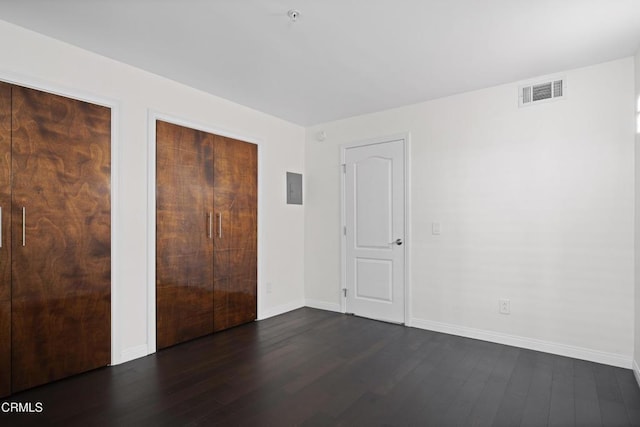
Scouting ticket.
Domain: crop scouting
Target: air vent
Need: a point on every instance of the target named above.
(541, 92)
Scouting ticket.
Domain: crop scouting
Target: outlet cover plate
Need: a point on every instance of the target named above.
(504, 305)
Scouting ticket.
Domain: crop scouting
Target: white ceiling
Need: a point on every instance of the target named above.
(342, 57)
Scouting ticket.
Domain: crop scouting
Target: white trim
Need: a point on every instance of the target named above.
(115, 185)
(343, 237)
(151, 232)
(323, 305)
(152, 116)
(636, 372)
(57, 89)
(114, 105)
(281, 309)
(406, 144)
(575, 352)
(133, 353)
(407, 230)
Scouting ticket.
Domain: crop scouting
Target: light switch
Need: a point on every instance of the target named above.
(435, 228)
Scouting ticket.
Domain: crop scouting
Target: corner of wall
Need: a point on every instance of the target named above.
(280, 309)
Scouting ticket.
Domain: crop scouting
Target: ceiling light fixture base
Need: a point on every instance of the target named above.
(293, 14)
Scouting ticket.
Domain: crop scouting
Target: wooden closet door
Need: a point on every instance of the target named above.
(61, 250)
(235, 200)
(184, 235)
(5, 239)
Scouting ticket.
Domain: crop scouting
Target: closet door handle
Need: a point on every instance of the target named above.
(24, 225)
(210, 229)
(220, 225)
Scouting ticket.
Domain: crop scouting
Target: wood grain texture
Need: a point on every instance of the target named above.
(317, 368)
(235, 199)
(61, 284)
(5, 242)
(184, 250)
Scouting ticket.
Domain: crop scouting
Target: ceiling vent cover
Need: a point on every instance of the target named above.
(541, 92)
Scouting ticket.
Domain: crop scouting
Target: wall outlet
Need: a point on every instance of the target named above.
(269, 287)
(435, 228)
(505, 306)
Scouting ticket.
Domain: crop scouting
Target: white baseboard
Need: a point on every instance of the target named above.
(323, 305)
(132, 353)
(636, 372)
(142, 350)
(597, 356)
(280, 309)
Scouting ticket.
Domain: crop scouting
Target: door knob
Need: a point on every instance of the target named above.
(397, 242)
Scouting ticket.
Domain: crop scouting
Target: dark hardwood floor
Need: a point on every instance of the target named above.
(315, 368)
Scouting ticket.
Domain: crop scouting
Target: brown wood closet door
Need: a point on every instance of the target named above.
(184, 234)
(235, 249)
(5, 239)
(61, 250)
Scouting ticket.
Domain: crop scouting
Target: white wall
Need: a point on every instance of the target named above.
(32, 59)
(536, 205)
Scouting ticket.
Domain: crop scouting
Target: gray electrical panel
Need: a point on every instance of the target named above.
(294, 188)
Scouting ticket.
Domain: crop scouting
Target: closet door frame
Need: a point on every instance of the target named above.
(114, 106)
(152, 117)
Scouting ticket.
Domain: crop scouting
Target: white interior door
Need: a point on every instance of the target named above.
(374, 215)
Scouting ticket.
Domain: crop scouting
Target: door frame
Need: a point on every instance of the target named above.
(114, 105)
(152, 117)
(405, 137)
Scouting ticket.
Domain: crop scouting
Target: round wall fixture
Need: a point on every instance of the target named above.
(293, 14)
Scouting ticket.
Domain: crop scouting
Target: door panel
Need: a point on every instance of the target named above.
(235, 193)
(242, 300)
(221, 290)
(374, 279)
(61, 284)
(185, 229)
(374, 207)
(5, 239)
